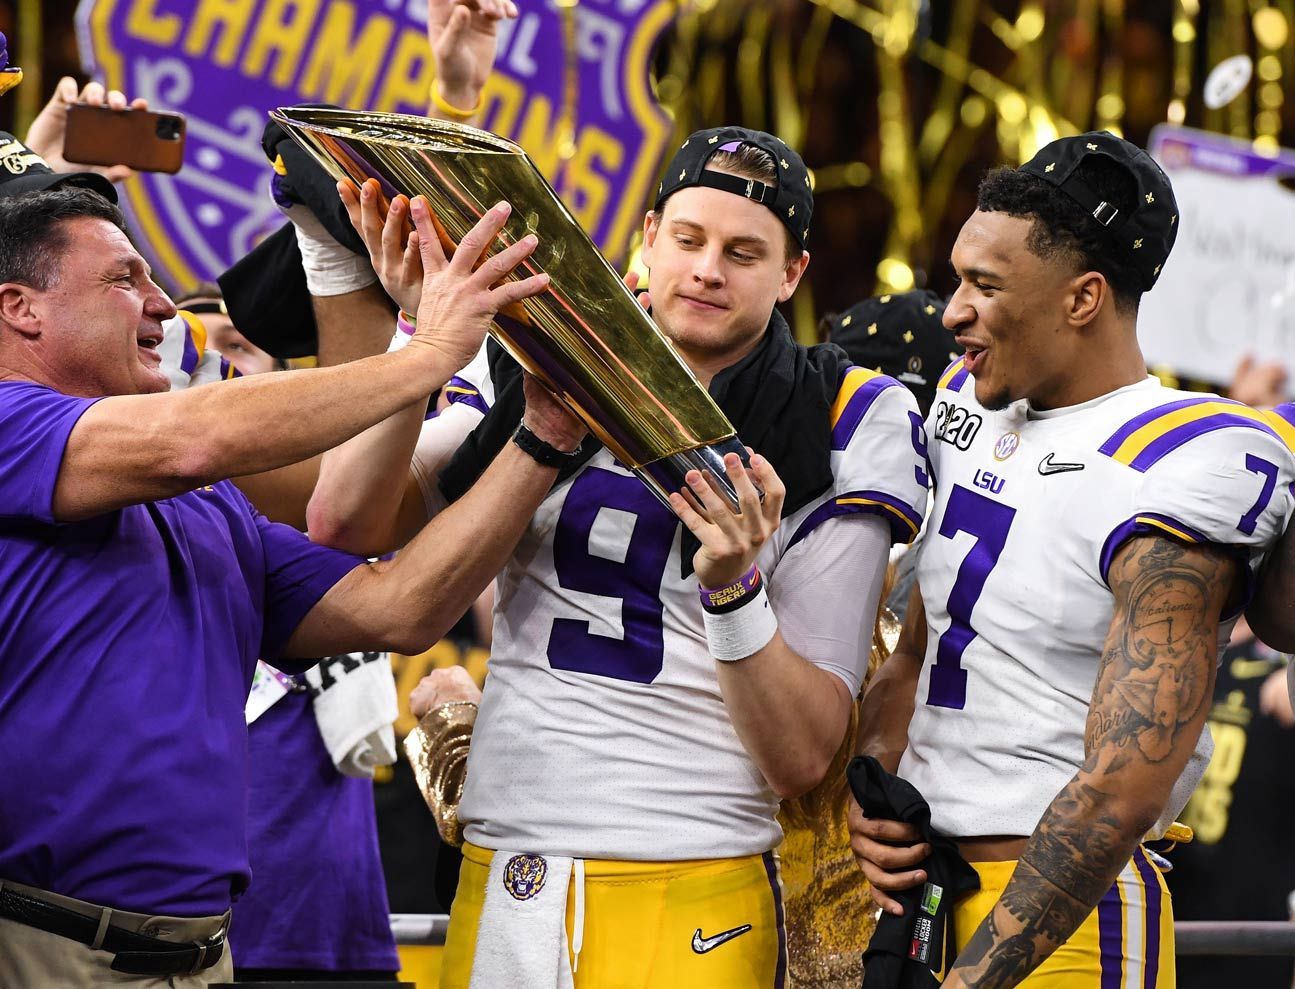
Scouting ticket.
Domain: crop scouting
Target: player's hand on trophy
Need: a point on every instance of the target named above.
(463, 37)
(548, 418)
(888, 852)
(48, 130)
(631, 281)
(450, 683)
(730, 541)
(392, 243)
(458, 303)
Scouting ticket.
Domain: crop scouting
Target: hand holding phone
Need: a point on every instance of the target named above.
(145, 140)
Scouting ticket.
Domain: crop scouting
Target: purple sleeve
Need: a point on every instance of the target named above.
(35, 423)
(297, 574)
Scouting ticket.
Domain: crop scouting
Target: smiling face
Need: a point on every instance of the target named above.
(100, 321)
(1010, 313)
(719, 265)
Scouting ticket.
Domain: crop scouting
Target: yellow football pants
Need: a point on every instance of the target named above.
(1126, 943)
(644, 923)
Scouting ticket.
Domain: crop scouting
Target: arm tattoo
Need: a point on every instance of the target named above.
(1149, 703)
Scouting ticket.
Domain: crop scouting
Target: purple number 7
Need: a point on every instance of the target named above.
(633, 581)
(988, 521)
(1258, 465)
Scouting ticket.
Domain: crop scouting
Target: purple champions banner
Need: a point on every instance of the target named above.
(225, 63)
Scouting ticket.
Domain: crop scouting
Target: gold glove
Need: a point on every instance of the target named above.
(438, 751)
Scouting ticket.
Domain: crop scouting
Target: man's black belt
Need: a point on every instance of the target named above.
(136, 954)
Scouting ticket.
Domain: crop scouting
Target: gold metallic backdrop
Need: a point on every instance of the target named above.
(900, 106)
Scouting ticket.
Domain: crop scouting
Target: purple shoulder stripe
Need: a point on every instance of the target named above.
(856, 407)
(1141, 419)
(1172, 440)
(1285, 411)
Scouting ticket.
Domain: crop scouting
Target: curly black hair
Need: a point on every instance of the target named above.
(1062, 229)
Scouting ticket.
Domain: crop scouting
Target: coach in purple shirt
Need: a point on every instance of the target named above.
(138, 586)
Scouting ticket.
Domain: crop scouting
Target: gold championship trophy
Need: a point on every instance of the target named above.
(587, 337)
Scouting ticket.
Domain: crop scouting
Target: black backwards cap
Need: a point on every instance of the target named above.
(1142, 236)
(22, 170)
(790, 198)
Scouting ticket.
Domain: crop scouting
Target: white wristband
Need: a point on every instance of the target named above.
(330, 268)
(742, 632)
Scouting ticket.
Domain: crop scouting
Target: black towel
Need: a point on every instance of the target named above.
(906, 952)
(779, 398)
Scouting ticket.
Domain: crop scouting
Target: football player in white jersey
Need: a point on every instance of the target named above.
(630, 752)
(1093, 537)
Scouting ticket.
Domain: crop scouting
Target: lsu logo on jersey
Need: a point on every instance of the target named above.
(524, 876)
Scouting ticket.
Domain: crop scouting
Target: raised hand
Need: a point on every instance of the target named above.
(49, 129)
(463, 36)
(450, 683)
(391, 242)
(458, 303)
(730, 541)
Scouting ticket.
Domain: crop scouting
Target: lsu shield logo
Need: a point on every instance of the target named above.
(225, 64)
(524, 876)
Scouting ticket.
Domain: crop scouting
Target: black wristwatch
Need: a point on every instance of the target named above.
(542, 453)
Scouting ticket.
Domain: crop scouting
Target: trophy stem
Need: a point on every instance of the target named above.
(667, 474)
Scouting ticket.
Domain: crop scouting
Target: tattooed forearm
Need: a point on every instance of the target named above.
(1148, 707)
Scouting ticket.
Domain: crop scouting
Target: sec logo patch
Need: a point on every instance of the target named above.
(1006, 445)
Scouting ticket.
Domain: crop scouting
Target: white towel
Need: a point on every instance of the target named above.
(355, 705)
(522, 935)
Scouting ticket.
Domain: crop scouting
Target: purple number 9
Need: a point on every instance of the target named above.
(988, 521)
(622, 567)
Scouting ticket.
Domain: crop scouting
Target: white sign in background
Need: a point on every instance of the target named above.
(1228, 289)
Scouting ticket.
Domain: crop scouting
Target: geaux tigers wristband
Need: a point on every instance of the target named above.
(739, 622)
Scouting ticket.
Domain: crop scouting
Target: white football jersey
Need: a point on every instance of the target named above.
(602, 732)
(186, 358)
(1030, 508)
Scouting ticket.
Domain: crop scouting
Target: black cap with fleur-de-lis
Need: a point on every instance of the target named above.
(790, 197)
(1144, 235)
(902, 335)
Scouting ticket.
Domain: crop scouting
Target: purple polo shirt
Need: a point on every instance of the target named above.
(127, 646)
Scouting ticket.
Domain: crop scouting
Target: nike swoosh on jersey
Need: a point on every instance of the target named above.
(1048, 466)
(701, 945)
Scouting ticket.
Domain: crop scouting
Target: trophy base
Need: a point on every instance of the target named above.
(667, 474)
